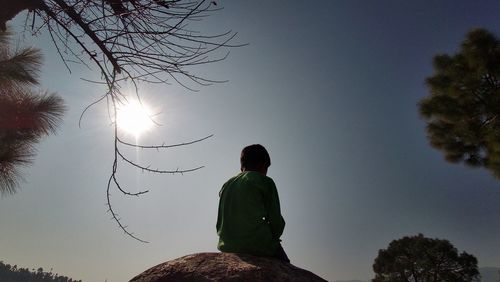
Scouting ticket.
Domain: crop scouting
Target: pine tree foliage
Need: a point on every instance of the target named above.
(464, 103)
(20, 67)
(421, 259)
(25, 115)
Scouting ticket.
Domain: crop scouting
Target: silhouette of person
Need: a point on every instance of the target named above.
(249, 218)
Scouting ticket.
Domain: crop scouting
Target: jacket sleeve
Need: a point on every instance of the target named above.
(220, 210)
(275, 219)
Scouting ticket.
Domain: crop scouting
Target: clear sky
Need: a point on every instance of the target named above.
(329, 87)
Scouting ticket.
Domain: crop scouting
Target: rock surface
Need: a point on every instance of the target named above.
(225, 267)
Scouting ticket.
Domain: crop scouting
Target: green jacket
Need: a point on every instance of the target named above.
(249, 218)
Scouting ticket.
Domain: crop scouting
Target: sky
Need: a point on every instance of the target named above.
(330, 88)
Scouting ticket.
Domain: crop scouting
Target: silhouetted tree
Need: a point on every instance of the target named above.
(9, 273)
(421, 259)
(25, 116)
(134, 40)
(462, 111)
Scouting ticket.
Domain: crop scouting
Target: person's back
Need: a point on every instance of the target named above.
(249, 218)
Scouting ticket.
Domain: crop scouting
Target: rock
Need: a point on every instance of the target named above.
(225, 267)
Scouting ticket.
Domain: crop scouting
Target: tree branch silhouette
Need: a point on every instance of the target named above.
(129, 40)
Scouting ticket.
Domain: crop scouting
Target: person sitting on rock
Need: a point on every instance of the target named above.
(249, 218)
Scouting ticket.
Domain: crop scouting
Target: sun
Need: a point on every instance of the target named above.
(134, 117)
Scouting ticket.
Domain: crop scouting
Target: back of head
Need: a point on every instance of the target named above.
(255, 157)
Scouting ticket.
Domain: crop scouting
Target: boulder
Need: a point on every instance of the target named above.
(225, 267)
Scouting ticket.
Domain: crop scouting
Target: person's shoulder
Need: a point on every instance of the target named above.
(232, 179)
(269, 181)
(259, 177)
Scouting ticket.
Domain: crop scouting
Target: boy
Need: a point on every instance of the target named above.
(249, 219)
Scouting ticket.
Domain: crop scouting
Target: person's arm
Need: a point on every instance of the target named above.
(220, 210)
(275, 219)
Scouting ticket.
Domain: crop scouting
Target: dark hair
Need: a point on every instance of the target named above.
(253, 156)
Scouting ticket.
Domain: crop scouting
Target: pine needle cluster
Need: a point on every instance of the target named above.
(26, 114)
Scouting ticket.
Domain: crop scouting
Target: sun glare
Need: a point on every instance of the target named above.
(134, 118)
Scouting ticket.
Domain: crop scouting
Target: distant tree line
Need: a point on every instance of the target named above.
(9, 273)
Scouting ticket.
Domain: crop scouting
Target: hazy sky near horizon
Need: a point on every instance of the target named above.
(329, 87)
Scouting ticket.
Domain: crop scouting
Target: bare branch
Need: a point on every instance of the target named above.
(141, 40)
(164, 146)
